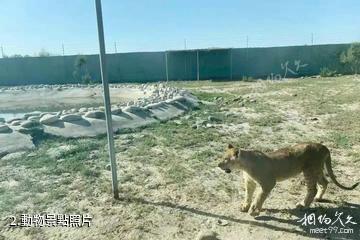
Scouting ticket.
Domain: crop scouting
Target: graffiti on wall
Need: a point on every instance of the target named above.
(287, 67)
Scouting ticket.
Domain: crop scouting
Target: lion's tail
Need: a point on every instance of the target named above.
(332, 176)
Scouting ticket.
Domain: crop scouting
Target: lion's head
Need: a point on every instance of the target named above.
(229, 160)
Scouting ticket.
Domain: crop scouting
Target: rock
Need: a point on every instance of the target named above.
(200, 122)
(222, 222)
(4, 129)
(71, 117)
(32, 114)
(16, 123)
(314, 119)
(213, 119)
(208, 125)
(49, 119)
(32, 154)
(12, 156)
(37, 130)
(207, 235)
(14, 119)
(29, 124)
(34, 118)
(83, 110)
(194, 126)
(134, 109)
(43, 114)
(187, 117)
(95, 114)
(2, 120)
(116, 111)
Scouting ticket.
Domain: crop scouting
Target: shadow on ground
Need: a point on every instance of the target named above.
(347, 209)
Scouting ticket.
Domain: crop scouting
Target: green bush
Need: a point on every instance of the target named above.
(326, 72)
(352, 57)
(81, 72)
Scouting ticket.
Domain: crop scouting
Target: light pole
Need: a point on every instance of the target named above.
(197, 65)
(166, 66)
(231, 64)
(2, 51)
(105, 83)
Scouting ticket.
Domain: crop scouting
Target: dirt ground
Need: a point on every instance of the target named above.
(55, 99)
(169, 183)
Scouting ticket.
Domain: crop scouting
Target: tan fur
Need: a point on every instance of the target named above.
(265, 169)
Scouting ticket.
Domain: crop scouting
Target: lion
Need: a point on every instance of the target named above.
(265, 169)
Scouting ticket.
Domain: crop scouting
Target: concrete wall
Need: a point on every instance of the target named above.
(182, 65)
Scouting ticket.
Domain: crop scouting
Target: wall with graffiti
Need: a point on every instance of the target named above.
(202, 64)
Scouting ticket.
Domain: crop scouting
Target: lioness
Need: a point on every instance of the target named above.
(265, 169)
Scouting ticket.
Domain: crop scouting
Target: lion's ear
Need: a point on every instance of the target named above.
(230, 146)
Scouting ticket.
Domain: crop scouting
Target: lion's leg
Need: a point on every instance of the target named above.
(311, 180)
(322, 184)
(250, 187)
(256, 206)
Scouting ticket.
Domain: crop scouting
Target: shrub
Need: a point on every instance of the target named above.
(81, 72)
(352, 57)
(326, 72)
(44, 53)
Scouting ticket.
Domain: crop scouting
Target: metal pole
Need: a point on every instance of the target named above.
(2, 51)
(63, 49)
(197, 65)
(106, 99)
(166, 66)
(312, 38)
(185, 43)
(231, 63)
(115, 47)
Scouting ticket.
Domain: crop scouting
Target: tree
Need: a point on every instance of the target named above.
(81, 71)
(44, 53)
(352, 57)
(16, 56)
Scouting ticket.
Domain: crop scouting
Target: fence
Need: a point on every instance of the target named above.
(201, 64)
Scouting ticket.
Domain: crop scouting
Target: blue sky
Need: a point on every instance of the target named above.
(27, 26)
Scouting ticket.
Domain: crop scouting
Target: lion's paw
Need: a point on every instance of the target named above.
(253, 211)
(244, 207)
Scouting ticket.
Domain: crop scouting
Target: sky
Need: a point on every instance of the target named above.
(27, 26)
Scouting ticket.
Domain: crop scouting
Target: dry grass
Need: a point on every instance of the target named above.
(169, 183)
